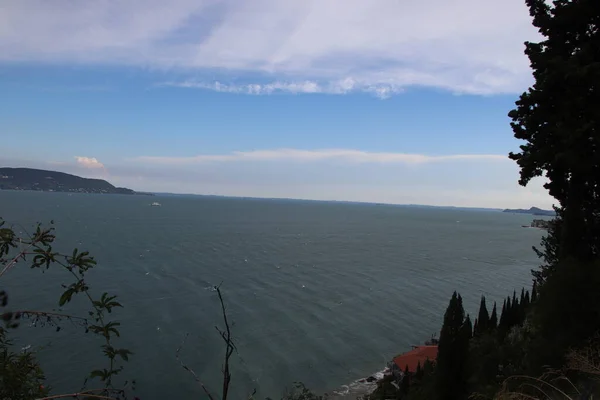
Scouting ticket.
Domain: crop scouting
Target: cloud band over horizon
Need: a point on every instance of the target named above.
(348, 155)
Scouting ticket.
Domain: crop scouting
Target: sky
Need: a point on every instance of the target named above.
(388, 101)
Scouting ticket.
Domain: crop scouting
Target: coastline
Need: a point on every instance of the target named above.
(359, 387)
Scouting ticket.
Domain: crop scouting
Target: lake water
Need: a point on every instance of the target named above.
(323, 293)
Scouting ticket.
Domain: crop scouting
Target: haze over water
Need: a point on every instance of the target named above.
(323, 293)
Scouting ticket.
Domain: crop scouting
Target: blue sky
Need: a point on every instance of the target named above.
(387, 101)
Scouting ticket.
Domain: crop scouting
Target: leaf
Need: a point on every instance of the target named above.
(66, 297)
(102, 374)
(124, 353)
(110, 327)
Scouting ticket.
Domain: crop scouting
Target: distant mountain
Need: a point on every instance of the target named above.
(533, 211)
(52, 181)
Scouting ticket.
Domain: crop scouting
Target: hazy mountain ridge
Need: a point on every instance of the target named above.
(53, 181)
(533, 211)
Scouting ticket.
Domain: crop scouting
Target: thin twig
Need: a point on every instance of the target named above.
(191, 371)
(230, 347)
(77, 395)
(15, 260)
(48, 314)
(86, 393)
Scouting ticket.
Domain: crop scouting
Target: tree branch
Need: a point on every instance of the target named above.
(191, 371)
(48, 314)
(15, 260)
(77, 395)
(230, 347)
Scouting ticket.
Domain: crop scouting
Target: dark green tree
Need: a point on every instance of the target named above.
(567, 313)
(405, 383)
(509, 313)
(558, 119)
(514, 311)
(502, 320)
(483, 319)
(428, 368)
(493, 319)
(522, 309)
(451, 373)
(505, 319)
(467, 330)
(419, 372)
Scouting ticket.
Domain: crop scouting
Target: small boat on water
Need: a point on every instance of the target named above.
(155, 204)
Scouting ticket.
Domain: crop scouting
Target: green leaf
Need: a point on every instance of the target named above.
(102, 374)
(124, 353)
(66, 297)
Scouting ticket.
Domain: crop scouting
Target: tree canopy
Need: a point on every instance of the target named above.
(559, 120)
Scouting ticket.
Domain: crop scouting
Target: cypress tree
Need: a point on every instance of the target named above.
(534, 292)
(428, 367)
(527, 300)
(467, 329)
(483, 319)
(522, 307)
(493, 319)
(420, 372)
(504, 324)
(475, 328)
(514, 311)
(502, 321)
(405, 383)
(451, 374)
(558, 120)
(508, 319)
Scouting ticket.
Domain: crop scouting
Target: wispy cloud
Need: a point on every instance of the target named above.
(296, 46)
(348, 155)
(89, 162)
(343, 86)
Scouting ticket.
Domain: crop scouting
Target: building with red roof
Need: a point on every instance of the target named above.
(417, 356)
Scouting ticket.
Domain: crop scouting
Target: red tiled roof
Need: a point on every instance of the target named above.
(416, 356)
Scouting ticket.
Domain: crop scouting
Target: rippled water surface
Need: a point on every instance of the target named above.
(323, 293)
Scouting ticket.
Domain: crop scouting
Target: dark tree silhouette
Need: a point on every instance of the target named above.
(558, 119)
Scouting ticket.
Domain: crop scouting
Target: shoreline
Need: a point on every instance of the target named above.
(359, 387)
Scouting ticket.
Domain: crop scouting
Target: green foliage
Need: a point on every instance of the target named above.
(567, 312)
(405, 383)
(419, 373)
(21, 377)
(422, 386)
(483, 363)
(387, 389)
(36, 250)
(453, 347)
(20, 374)
(493, 319)
(300, 392)
(558, 119)
(483, 318)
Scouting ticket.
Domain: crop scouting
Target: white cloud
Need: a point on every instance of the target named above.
(343, 86)
(89, 162)
(300, 46)
(348, 155)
